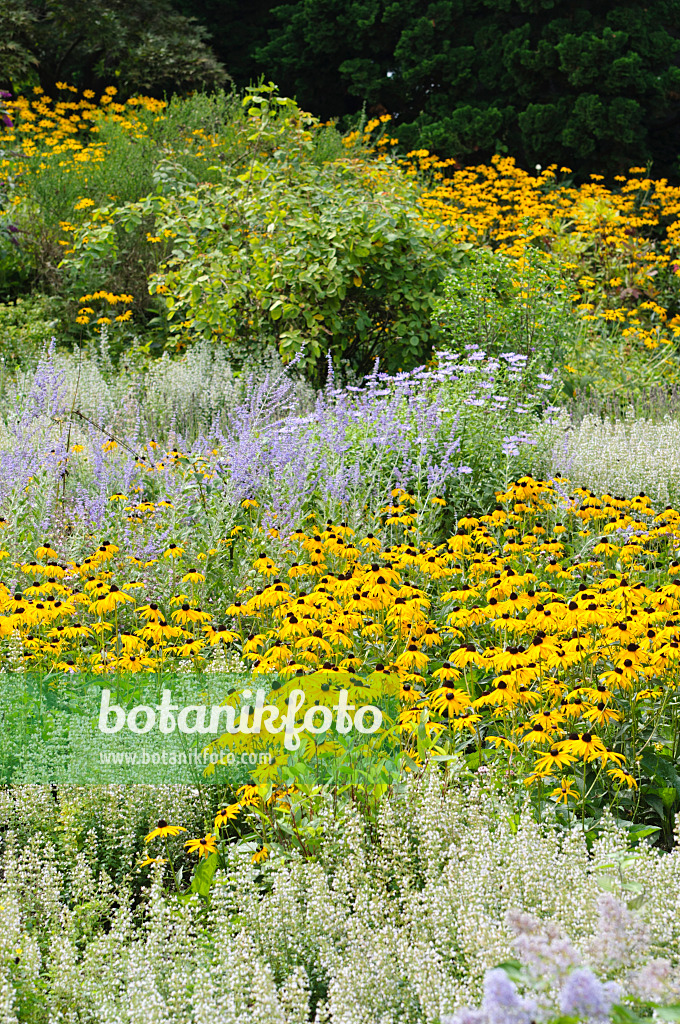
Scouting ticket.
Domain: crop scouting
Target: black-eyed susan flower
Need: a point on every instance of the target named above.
(449, 700)
(587, 745)
(265, 565)
(186, 615)
(446, 673)
(565, 792)
(203, 847)
(151, 860)
(552, 760)
(623, 777)
(602, 714)
(250, 794)
(45, 551)
(412, 658)
(227, 814)
(193, 576)
(163, 830)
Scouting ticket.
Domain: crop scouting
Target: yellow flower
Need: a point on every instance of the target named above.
(623, 777)
(251, 794)
(46, 551)
(203, 847)
(186, 614)
(446, 673)
(564, 791)
(553, 759)
(227, 814)
(163, 830)
(587, 745)
(193, 576)
(260, 855)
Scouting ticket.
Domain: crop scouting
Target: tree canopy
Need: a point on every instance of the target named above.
(595, 87)
(137, 45)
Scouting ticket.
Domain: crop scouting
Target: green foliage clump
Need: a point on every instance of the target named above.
(508, 305)
(335, 257)
(27, 327)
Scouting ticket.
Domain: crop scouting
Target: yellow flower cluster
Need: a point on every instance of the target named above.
(65, 130)
(86, 313)
(551, 625)
(589, 226)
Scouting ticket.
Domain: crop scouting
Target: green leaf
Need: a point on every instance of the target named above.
(513, 969)
(623, 1015)
(204, 874)
(668, 1012)
(643, 833)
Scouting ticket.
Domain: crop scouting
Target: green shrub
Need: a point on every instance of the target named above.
(334, 257)
(504, 305)
(26, 329)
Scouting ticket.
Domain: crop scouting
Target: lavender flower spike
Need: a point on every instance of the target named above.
(502, 1003)
(585, 997)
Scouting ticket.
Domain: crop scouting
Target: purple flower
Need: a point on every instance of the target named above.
(502, 1003)
(583, 995)
(465, 1016)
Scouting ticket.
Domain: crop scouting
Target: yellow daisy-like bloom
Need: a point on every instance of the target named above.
(157, 631)
(265, 565)
(623, 777)
(250, 794)
(371, 543)
(150, 612)
(564, 791)
(203, 847)
(45, 551)
(151, 860)
(163, 830)
(108, 601)
(448, 700)
(227, 814)
(260, 855)
(135, 663)
(173, 551)
(553, 759)
(193, 576)
(586, 745)
(446, 673)
(412, 658)
(601, 714)
(186, 614)
(537, 735)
